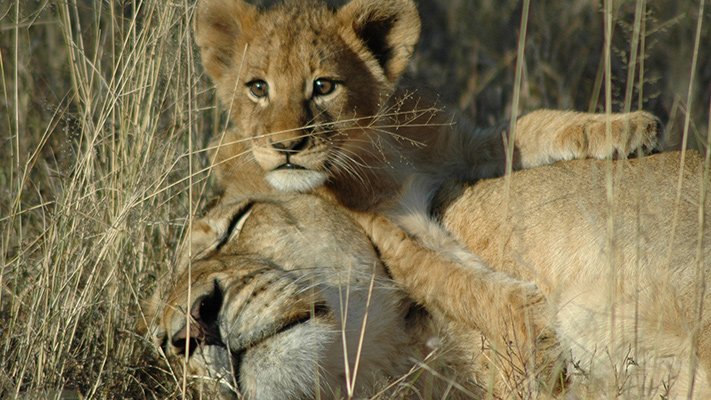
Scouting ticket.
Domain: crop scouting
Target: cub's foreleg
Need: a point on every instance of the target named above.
(546, 136)
(460, 288)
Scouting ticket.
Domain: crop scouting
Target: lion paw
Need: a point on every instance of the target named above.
(539, 329)
(632, 133)
(381, 231)
(526, 296)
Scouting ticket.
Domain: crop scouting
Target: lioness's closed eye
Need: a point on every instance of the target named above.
(314, 97)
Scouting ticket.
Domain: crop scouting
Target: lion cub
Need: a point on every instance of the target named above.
(313, 95)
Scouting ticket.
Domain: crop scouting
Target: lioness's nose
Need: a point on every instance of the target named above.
(201, 327)
(294, 145)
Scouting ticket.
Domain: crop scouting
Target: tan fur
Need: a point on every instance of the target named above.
(553, 235)
(275, 296)
(368, 137)
(656, 249)
(631, 306)
(456, 284)
(361, 142)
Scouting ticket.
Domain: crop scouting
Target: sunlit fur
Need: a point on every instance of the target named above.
(625, 274)
(370, 133)
(646, 339)
(296, 255)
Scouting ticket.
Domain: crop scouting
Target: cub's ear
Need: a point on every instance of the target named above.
(388, 29)
(218, 24)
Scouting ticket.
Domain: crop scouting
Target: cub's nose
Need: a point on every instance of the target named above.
(291, 146)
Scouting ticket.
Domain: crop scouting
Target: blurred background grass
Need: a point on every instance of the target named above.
(104, 107)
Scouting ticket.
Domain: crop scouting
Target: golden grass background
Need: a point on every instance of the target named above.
(104, 109)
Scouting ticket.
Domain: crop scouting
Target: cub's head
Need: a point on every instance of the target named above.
(282, 298)
(302, 81)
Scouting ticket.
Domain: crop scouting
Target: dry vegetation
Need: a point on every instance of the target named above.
(104, 110)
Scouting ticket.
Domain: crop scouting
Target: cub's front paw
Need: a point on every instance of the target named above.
(644, 132)
(381, 231)
(632, 133)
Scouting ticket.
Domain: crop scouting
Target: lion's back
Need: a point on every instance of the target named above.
(554, 217)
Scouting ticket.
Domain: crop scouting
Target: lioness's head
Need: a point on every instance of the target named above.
(287, 298)
(303, 81)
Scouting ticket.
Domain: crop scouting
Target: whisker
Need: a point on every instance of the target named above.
(352, 169)
(412, 114)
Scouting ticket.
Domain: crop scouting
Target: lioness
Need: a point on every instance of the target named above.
(274, 279)
(314, 97)
(289, 300)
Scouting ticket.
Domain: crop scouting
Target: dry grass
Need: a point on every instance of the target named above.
(103, 105)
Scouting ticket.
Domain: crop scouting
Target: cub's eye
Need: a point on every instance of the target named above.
(258, 88)
(323, 86)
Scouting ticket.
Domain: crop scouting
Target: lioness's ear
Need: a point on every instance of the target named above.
(389, 29)
(218, 24)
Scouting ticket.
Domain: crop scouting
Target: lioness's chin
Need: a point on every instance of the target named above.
(215, 365)
(292, 365)
(291, 180)
(295, 365)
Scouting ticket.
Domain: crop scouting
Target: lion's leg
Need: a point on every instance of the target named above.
(546, 136)
(512, 314)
